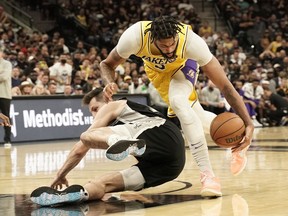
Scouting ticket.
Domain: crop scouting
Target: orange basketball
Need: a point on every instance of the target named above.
(227, 130)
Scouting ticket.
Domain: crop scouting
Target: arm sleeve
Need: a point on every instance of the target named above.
(130, 41)
(197, 49)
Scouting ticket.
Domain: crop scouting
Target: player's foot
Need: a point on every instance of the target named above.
(122, 148)
(238, 162)
(210, 185)
(47, 196)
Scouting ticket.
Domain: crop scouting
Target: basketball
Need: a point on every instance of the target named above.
(227, 130)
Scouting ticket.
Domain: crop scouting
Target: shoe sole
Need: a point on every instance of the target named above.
(56, 211)
(120, 150)
(47, 196)
(210, 193)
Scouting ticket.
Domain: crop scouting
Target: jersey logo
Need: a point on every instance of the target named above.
(191, 74)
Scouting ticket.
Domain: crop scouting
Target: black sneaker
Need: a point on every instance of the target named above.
(122, 148)
(47, 196)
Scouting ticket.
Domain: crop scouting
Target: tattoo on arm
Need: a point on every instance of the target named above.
(108, 66)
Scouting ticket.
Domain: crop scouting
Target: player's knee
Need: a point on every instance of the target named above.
(178, 103)
(183, 110)
(133, 178)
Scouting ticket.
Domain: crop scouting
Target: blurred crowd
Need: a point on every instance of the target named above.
(254, 54)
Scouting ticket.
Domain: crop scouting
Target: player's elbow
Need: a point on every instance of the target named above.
(85, 138)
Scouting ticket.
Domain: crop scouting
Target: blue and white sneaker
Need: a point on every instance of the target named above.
(59, 211)
(47, 196)
(122, 148)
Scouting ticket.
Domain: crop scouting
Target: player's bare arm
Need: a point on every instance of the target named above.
(216, 74)
(78, 151)
(107, 67)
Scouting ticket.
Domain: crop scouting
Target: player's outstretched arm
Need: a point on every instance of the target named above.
(78, 151)
(216, 74)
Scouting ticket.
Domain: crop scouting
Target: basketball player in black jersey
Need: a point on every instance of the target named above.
(155, 142)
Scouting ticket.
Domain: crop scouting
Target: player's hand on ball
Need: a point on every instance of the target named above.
(247, 139)
(109, 90)
(59, 182)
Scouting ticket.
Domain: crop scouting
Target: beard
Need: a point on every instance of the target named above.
(165, 55)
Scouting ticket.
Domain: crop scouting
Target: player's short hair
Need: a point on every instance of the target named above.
(96, 93)
(163, 27)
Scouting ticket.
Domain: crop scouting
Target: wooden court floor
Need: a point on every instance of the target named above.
(262, 189)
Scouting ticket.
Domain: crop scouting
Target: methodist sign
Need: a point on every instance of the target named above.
(53, 117)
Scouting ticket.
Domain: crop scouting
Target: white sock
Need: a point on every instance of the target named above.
(194, 134)
(198, 148)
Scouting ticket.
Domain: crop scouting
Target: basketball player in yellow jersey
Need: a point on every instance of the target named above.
(171, 52)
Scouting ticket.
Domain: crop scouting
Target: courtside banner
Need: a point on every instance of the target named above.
(53, 117)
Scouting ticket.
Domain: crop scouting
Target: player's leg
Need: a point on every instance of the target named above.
(128, 179)
(5, 109)
(179, 91)
(206, 117)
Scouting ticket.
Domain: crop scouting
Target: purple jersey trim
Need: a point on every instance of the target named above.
(190, 71)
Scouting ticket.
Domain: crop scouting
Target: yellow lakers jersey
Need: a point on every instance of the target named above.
(159, 70)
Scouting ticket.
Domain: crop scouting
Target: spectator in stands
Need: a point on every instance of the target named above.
(21, 61)
(40, 89)
(44, 79)
(61, 73)
(52, 87)
(238, 56)
(86, 69)
(253, 91)
(209, 40)
(68, 90)
(250, 104)
(61, 43)
(81, 17)
(134, 86)
(205, 29)
(80, 48)
(245, 27)
(88, 86)
(77, 80)
(275, 44)
(211, 99)
(15, 79)
(78, 90)
(25, 88)
(277, 108)
(33, 76)
(282, 88)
